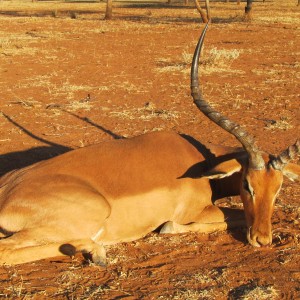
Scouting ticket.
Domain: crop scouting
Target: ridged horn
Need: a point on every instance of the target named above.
(286, 156)
(255, 158)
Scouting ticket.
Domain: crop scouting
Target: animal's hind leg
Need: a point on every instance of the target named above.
(23, 247)
(54, 223)
(91, 250)
(212, 219)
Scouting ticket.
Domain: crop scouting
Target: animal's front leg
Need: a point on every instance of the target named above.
(212, 219)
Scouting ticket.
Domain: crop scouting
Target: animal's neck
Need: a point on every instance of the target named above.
(228, 186)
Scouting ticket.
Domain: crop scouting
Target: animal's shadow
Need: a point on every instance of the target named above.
(20, 159)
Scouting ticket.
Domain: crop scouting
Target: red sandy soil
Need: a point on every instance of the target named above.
(67, 83)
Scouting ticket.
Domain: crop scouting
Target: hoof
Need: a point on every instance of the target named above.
(167, 228)
(99, 256)
(99, 261)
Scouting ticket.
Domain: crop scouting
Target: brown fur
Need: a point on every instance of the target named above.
(119, 191)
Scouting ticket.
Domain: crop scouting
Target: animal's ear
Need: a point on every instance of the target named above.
(291, 171)
(224, 169)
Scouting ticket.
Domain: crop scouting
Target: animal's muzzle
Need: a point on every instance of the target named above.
(259, 239)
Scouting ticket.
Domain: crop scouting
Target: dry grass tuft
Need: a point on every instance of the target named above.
(282, 124)
(145, 113)
(256, 292)
(213, 61)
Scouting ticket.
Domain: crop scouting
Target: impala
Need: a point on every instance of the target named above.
(121, 190)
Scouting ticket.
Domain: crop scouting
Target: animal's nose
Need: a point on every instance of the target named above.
(259, 239)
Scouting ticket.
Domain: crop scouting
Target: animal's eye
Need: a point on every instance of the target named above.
(247, 187)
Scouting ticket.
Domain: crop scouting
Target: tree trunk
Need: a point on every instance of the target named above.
(298, 2)
(207, 10)
(201, 11)
(108, 13)
(238, 2)
(248, 10)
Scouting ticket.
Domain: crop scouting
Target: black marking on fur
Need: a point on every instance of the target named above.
(67, 249)
(5, 232)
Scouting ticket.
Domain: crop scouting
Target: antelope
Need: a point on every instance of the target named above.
(121, 190)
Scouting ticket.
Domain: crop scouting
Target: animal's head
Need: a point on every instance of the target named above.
(259, 188)
(262, 175)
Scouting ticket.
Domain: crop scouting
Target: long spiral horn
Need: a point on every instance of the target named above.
(287, 155)
(255, 158)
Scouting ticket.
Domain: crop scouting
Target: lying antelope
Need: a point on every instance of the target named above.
(123, 189)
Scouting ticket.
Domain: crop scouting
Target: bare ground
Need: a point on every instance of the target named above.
(70, 79)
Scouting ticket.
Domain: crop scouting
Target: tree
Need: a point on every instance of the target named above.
(204, 16)
(207, 9)
(108, 13)
(248, 10)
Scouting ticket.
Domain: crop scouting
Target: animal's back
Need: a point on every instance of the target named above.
(114, 167)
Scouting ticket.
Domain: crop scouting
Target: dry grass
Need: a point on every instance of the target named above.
(220, 61)
(283, 124)
(11, 46)
(145, 113)
(213, 60)
(283, 12)
(66, 93)
(256, 292)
